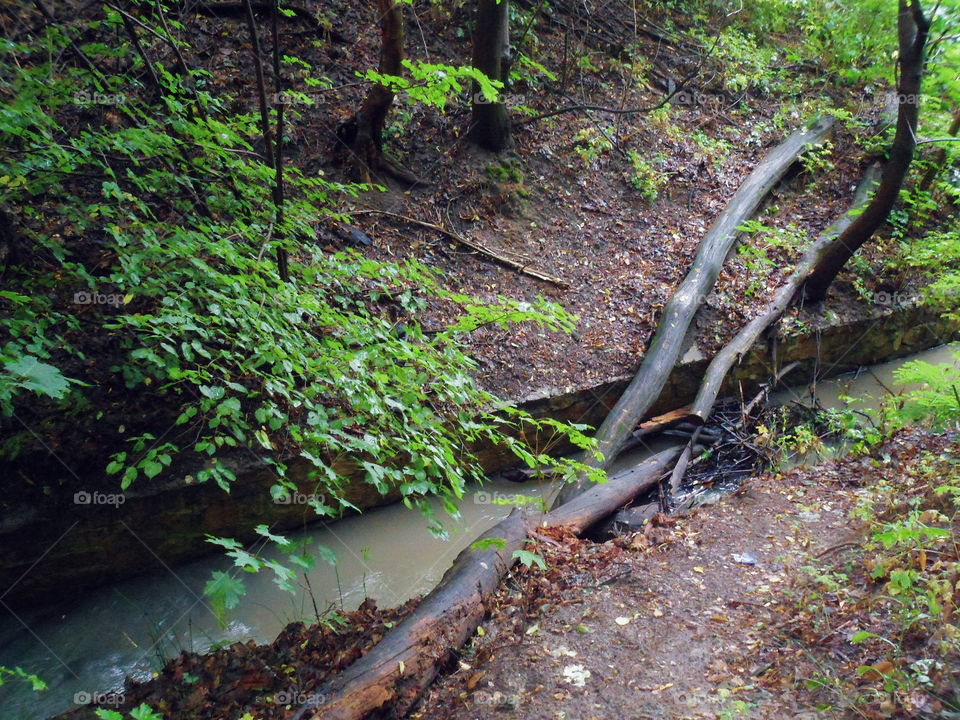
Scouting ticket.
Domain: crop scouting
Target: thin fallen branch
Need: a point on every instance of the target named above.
(521, 267)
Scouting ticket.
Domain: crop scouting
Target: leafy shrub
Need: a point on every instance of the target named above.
(333, 366)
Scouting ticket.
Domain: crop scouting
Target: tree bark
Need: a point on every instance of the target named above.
(913, 28)
(363, 133)
(390, 677)
(667, 343)
(731, 353)
(490, 122)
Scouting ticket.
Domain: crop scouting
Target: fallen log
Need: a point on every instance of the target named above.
(521, 264)
(407, 659)
(393, 674)
(734, 350)
(601, 499)
(668, 341)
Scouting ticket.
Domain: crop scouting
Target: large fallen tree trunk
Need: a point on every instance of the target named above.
(395, 671)
(667, 343)
(734, 350)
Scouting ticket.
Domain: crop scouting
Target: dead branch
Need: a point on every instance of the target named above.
(521, 267)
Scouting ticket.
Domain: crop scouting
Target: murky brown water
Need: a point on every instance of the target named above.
(89, 646)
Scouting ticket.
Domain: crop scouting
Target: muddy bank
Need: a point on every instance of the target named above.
(92, 538)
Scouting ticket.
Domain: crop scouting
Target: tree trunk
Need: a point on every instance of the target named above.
(742, 342)
(390, 677)
(363, 133)
(668, 341)
(913, 28)
(490, 123)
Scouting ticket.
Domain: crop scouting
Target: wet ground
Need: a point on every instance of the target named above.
(672, 628)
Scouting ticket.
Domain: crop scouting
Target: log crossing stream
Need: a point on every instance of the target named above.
(87, 646)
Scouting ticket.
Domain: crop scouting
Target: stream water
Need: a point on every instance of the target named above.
(88, 645)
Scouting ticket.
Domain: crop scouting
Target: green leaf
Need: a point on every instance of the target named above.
(145, 712)
(128, 477)
(224, 593)
(39, 377)
(529, 559)
(487, 543)
(265, 532)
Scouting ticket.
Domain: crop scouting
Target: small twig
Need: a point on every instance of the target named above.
(838, 546)
(938, 140)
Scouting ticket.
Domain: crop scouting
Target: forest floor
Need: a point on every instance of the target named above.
(567, 200)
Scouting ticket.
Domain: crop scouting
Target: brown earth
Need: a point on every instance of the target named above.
(672, 624)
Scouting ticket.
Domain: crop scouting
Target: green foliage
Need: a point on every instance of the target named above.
(141, 712)
(937, 396)
(529, 559)
(20, 675)
(933, 255)
(592, 143)
(646, 177)
(748, 65)
(855, 41)
(816, 161)
(488, 543)
(433, 84)
(894, 600)
(176, 199)
(757, 251)
(27, 373)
